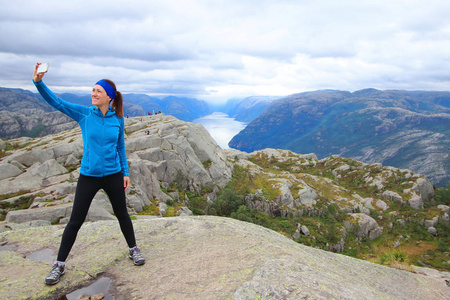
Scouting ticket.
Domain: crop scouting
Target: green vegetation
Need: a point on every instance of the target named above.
(151, 210)
(197, 204)
(35, 131)
(23, 202)
(228, 201)
(12, 195)
(443, 195)
(10, 147)
(391, 257)
(207, 163)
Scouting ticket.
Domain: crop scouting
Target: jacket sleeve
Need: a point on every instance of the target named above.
(75, 111)
(121, 149)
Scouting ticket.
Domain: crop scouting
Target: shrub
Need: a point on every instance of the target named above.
(207, 163)
(243, 213)
(197, 204)
(227, 202)
(443, 195)
(333, 234)
(152, 209)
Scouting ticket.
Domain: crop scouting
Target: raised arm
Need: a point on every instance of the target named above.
(75, 111)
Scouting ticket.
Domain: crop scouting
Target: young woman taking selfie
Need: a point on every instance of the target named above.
(103, 166)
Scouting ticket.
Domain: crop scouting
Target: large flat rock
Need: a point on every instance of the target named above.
(202, 258)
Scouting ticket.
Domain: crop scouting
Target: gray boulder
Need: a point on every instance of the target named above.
(366, 226)
(29, 158)
(416, 201)
(307, 196)
(432, 230)
(52, 214)
(8, 171)
(184, 211)
(339, 247)
(24, 182)
(47, 169)
(382, 205)
(304, 230)
(2, 145)
(432, 223)
(392, 196)
(444, 208)
(444, 218)
(424, 188)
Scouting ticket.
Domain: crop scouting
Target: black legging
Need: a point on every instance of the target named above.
(87, 187)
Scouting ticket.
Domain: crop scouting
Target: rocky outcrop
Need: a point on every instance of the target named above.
(295, 185)
(299, 191)
(202, 258)
(175, 153)
(363, 226)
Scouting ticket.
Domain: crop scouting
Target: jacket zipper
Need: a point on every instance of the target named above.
(103, 145)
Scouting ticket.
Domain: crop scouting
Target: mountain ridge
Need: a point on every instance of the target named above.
(24, 113)
(249, 108)
(362, 125)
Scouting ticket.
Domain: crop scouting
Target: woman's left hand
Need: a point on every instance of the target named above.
(126, 182)
(37, 76)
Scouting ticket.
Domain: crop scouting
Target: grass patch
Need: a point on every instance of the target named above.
(150, 210)
(12, 195)
(23, 202)
(207, 163)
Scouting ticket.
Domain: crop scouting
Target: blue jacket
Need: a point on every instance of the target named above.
(103, 136)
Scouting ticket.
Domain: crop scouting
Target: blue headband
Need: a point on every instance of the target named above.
(108, 88)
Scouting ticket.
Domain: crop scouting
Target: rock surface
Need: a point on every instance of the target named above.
(175, 152)
(203, 258)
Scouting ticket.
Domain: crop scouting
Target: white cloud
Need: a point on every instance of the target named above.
(213, 50)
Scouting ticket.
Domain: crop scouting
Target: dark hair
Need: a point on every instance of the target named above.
(117, 102)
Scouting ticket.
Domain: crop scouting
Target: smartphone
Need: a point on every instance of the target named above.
(43, 68)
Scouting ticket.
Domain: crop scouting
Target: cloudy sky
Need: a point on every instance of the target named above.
(217, 49)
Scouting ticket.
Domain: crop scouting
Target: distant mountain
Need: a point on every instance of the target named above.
(18, 100)
(248, 109)
(23, 113)
(186, 109)
(404, 129)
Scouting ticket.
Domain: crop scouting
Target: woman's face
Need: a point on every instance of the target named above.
(99, 96)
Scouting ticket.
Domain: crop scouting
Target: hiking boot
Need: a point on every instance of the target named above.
(136, 255)
(54, 275)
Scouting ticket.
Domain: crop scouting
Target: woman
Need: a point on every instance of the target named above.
(103, 166)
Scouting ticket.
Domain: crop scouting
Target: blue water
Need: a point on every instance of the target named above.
(221, 127)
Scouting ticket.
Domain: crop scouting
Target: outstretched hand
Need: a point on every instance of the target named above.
(37, 76)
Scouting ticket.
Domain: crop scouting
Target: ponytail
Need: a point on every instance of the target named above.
(117, 102)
